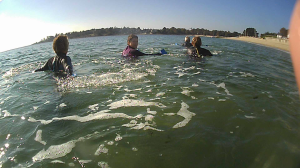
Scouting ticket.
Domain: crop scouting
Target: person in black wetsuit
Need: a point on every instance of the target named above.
(131, 49)
(187, 42)
(60, 64)
(196, 50)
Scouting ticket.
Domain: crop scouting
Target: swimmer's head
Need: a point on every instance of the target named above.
(196, 42)
(61, 44)
(133, 41)
(187, 39)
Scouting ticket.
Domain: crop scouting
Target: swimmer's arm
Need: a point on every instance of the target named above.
(69, 67)
(48, 65)
(154, 54)
(43, 68)
(138, 53)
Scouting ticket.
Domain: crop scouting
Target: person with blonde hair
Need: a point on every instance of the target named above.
(197, 51)
(131, 49)
(187, 42)
(60, 64)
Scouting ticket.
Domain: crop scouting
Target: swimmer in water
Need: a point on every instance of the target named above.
(131, 49)
(60, 64)
(187, 42)
(196, 50)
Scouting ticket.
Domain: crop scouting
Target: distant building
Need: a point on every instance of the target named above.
(279, 35)
(251, 32)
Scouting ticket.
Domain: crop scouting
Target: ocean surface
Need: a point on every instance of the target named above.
(238, 108)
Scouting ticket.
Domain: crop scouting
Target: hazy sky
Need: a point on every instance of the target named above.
(23, 22)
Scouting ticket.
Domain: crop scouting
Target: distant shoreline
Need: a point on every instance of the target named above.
(282, 44)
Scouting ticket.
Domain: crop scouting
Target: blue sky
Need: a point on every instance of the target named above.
(28, 21)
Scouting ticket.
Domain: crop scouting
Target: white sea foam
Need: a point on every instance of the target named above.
(109, 78)
(250, 117)
(94, 107)
(102, 115)
(151, 72)
(57, 151)
(186, 91)
(149, 117)
(138, 126)
(169, 114)
(7, 74)
(222, 85)
(133, 103)
(85, 161)
(57, 161)
(101, 149)
(151, 128)
(38, 137)
(118, 137)
(244, 74)
(151, 112)
(144, 126)
(103, 164)
(8, 136)
(195, 85)
(62, 105)
(6, 113)
(184, 112)
(110, 143)
(127, 90)
(160, 94)
(180, 74)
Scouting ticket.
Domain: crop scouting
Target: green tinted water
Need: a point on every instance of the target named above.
(239, 108)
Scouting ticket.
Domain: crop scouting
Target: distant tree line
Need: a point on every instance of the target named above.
(127, 30)
(171, 31)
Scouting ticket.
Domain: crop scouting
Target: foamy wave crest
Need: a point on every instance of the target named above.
(132, 102)
(15, 71)
(102, 115)
(57, 151)
(101, 80)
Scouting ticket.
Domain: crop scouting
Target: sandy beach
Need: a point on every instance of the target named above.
(282, 44)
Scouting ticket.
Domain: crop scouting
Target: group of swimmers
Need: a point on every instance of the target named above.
(61, 63)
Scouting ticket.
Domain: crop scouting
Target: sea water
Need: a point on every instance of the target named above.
(238, 108)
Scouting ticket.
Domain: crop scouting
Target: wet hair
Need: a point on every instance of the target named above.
(61, 44)
(130, 37)
(196, 42)
(187, 39)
